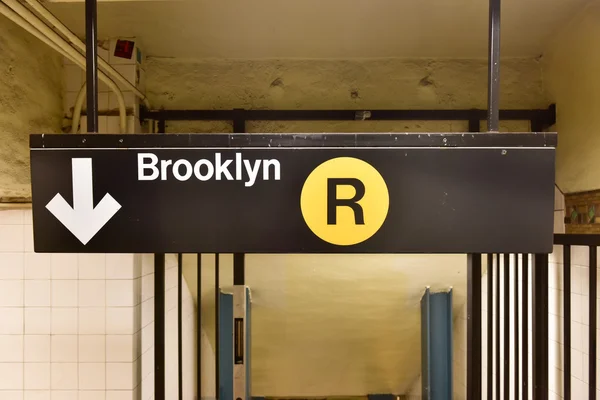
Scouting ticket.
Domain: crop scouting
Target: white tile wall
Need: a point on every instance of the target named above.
(64, 321)
(37, 348)
(64, 376)
(75, 327)
(11, 348)
(37, 321)
(12, 321)
(92, 321)
(37, 376)
(38, 266)
(64, 348)
(11, 376)
(11, 266)
(92, 348)
(37, 293)
(92, 293)
(92, 376)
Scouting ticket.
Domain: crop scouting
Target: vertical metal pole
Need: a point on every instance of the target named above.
(240, 328)
(540, 327)
(525, 325)
(506, 375)
(474, 326)
(162, 126)
(159, 326)
(199, 330)
(567, 320)
(498, 296)
(593, 323)
(239, 269)
(474, 125)
(494, 67)
(179, 326)
(239, 121)
(516, 327)
(91, 65)
(217, 315)
(490, 326)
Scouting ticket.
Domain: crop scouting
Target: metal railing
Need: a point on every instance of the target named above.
(509, 279)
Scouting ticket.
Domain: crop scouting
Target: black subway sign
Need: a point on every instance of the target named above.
(366, 193)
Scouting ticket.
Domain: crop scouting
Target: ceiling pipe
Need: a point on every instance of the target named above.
(16, 12)
(77, 109)
(62, 28)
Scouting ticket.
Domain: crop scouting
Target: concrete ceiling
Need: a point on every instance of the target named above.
(324, 28)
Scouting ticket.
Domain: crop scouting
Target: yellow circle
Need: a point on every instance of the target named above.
(344, 201)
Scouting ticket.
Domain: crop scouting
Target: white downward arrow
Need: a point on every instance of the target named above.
(83, 220)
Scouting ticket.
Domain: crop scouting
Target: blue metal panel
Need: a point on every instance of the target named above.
(436, 345)
(248, 345)
(226, 347)
(425, 345)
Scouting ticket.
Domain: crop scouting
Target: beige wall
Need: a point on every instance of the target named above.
(338, 84)
(570, 70)
(30, 102)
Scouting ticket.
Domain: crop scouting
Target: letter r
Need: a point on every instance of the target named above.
(333, 202)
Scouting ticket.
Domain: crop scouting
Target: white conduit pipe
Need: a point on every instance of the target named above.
(77, 109)
(27, 20)
(44, 12)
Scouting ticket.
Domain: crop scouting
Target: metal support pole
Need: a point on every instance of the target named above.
(239, 121)
(474, 326)
(239, 269)
(593, 292)
(180, 325)
(240, 328)
(494, 67)
(506, 298)
(159, 326)
(490, 326)
(199, 330)
(498, 370)
(525, 325)
(567, 321)
(516, 327)
(91, 65)
(217, 315)
(540, 327)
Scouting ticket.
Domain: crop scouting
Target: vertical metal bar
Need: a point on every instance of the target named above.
(239, 269)
(162, 126)
(593, 323)
(159, 326)
(506, 283)
(199, 330)
(241, 352)
(217, 315)
(179, 326)
(525, 325)
(498, 296)
(567, 321)
(540, 327)
(474, 125)
(494, 67)
(474, 326)
(516, 327)
(490, 326)
(91, 64)
(239, 121)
